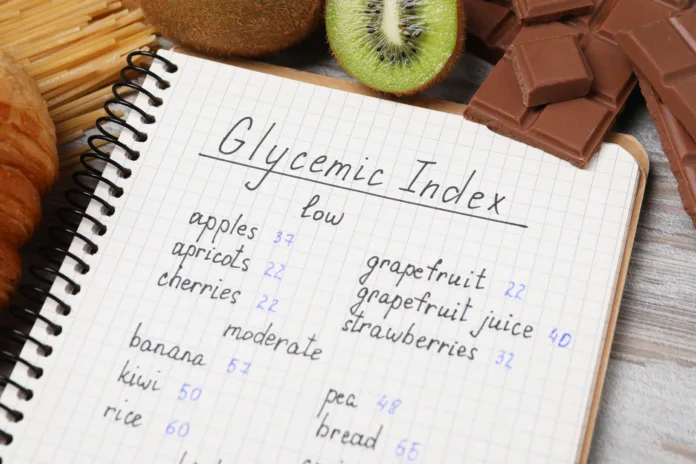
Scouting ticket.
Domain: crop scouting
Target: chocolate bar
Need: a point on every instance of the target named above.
(538, 11)
(491, 28)
(678, 145)
(664, 53)
(551, 70)
(573, 130)
(493, 25)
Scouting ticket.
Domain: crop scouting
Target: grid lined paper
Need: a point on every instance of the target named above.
(546, 256)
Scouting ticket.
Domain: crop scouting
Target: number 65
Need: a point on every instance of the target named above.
(413, 452)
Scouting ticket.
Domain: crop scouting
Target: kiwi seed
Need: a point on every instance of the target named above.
(396, 46)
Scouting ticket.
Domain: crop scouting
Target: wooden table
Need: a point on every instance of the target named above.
(648, 411)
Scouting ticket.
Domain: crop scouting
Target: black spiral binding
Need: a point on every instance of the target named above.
(54, 255)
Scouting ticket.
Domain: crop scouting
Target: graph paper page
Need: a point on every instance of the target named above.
(297, 274)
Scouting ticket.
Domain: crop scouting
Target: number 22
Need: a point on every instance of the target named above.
(511, 288)
(270, 307)
(278, 274)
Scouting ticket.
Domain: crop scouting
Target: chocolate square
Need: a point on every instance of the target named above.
(537, 11)
(627, 14)
(551, 70)
(572, 126)
(612, 72)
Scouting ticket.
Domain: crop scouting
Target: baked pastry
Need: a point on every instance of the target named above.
(28, 166)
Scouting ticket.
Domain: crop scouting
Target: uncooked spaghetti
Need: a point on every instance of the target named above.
(74, 49)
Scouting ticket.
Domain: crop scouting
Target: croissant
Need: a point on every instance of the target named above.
(28, 167)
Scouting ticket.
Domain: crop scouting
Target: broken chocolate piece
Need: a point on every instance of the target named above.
(551, 70)
(678, 145)
(491, 28)
(572, 130)
(569, 130)
(664, 53)
(539, 11)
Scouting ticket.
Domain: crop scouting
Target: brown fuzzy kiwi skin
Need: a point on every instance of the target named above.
(454, 57)
(235, 27)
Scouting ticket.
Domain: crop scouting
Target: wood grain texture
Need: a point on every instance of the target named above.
(648, 410)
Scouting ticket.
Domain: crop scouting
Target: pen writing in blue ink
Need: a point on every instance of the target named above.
(180, 429)
(515, 291)
(408, 449)
(275, 271)
(285, 237)
(189, 392)
(237, 365)
(267, 304)
(505, 359)
(390, 406)
(562, 340)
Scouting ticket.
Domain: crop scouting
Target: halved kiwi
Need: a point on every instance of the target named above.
(396, 46)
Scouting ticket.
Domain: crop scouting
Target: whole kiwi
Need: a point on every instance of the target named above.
(235, 27)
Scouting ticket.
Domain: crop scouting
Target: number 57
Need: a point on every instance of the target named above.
(235, 364)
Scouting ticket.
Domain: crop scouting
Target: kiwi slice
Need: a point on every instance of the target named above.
(396, 46)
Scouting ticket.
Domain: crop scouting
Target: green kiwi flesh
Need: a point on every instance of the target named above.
(396, 46)
(235, 27)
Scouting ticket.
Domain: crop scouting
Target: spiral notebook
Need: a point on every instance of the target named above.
(278, 271)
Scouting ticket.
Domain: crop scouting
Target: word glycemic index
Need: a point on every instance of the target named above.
(419, 184)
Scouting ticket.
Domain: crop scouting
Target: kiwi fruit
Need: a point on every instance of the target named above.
(396, 46)
(235, 27)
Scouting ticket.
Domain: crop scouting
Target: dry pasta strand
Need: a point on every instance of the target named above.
(77, 151)
(70, 136)
(75, 49)
(78, 121)
(81, 105)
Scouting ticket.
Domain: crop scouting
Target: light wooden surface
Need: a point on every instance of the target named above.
(648, 409)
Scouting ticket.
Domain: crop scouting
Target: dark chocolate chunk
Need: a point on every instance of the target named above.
(551, 70)
(539, 11)
(678, 145)
(664, 53)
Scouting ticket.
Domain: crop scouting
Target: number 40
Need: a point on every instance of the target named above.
(561, 340)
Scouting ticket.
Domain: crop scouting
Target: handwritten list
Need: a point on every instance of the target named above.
(303, 275)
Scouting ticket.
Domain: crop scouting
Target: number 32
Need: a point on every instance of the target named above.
(500, 360)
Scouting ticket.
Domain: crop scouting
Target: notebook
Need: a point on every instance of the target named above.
(296, 273)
